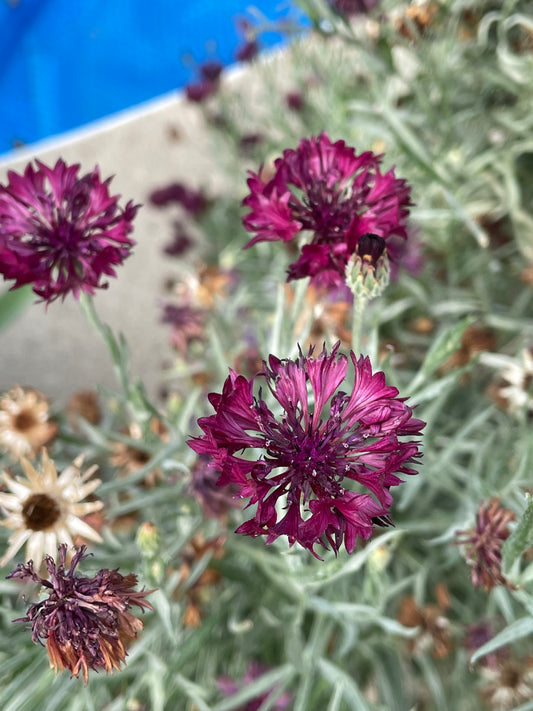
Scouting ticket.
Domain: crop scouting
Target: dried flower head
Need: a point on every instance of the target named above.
(61, 233)
(254, 671)
(129, 457)
(335, 195)
(197, 589)
(508, 684)
(331, 457)
(83, 404)
(24, 422)
(483, 544)
(431, 619)
(85, 621)
(475, 340)
(513, 389)
(44, 509)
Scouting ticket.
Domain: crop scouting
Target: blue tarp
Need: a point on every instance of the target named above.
(64, 63)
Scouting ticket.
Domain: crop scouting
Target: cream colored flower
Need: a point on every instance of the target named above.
(44, 509)
(24, 423)
(513, 390)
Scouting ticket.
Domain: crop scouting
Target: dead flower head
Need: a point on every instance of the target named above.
(24, 422)
(483, 544)
(434, 626)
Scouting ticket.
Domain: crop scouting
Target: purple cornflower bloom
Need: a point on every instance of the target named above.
(211, 70)
(247, 52)
(194, 201)
(353, 7)
(61, 233)
(215, 500)
(188, 325)
(85, 621)
(295, 100)
(199, 91)
(254, 671)
(331, 460)
(336, 195)
(181, 242)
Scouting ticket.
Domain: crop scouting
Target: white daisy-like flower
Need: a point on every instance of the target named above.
(516, 375)
(44, 509)
(24, 422)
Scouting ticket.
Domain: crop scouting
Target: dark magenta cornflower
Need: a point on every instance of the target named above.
(326, 462)
(254, 671)
(61, 233)
(85, 622)
(211, 70)
(353, 7)
(188, 325)
(215, 500)
(199, 91)
(192, 200)
(324, 188)
(181, 242)
(247, 51)
(295, 100)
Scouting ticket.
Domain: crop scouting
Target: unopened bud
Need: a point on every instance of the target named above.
(148, 539)
(368, 272)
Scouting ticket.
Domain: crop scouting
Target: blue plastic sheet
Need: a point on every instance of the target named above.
(64, 63)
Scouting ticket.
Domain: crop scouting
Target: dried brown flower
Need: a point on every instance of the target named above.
(483, 544)
(25, 426)
(434, 625)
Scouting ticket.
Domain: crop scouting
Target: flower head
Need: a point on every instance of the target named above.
(336, 195)
(61, 233)
(44, 509)
(188, 325)
(215, 500)
(328, 460)
(508, 684)
(515, 378)
(432, 623)
(85, 621)
(24, 422)
(254, 671)
(353, 7)
(483, 544)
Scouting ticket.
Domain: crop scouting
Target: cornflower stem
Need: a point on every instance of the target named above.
(116, 349)
(135, 397)
(358, 313)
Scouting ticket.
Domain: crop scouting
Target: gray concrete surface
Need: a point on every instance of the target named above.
(54, 350)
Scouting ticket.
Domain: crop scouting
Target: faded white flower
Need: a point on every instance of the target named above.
(24, 422)
(44, 509)
(514, 390)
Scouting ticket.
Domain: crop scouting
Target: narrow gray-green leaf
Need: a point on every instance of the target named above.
(519, 540)
(518, 629)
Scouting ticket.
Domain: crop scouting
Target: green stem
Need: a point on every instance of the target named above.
(116, 349)
(358, 312)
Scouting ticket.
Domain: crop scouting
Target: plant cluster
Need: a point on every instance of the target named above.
(330, 506)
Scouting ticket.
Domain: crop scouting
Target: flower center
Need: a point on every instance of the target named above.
(326, 211)
(313, 462)
(24, 421)
(40, 512)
